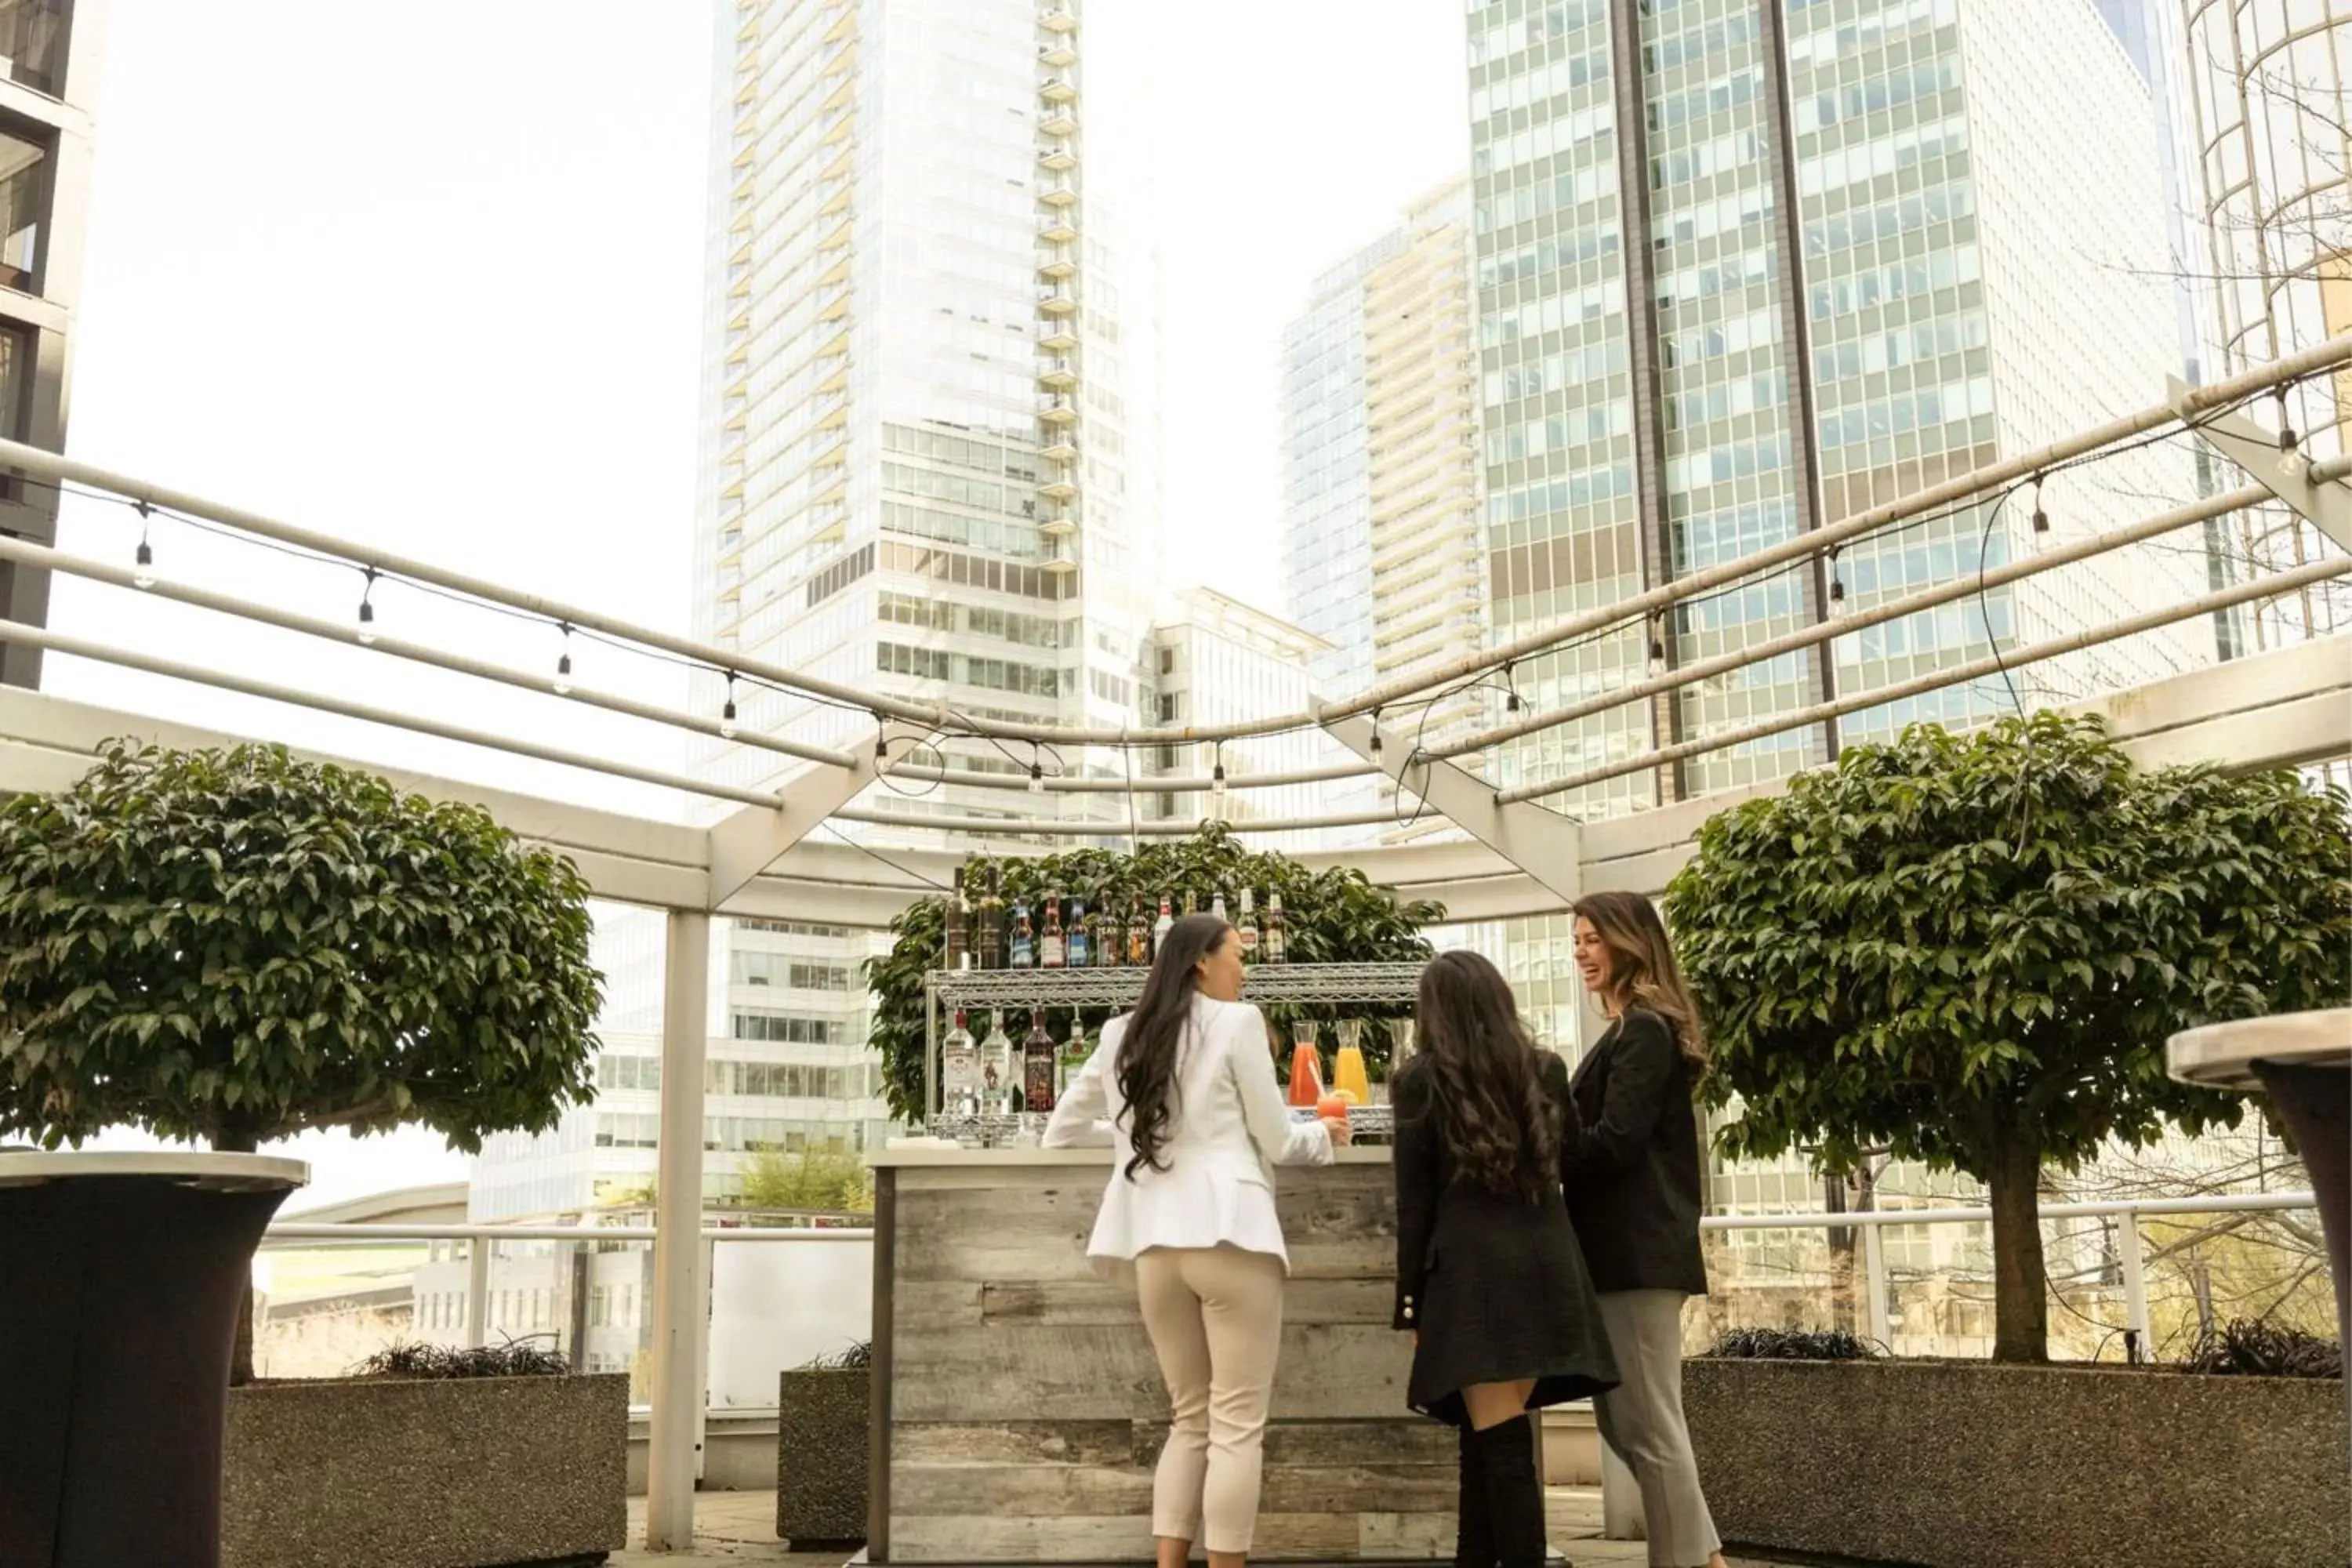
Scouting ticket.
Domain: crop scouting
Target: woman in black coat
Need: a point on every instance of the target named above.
(1632, 1183)
(1489, 1278)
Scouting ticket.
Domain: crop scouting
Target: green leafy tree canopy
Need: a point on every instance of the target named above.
(1336, 916)
(236, 946)
(821, 1181)
(1972, 949)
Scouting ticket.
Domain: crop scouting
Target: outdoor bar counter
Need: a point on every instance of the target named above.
(1018, 1410)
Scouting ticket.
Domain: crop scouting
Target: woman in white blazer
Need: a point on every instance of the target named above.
(1182, 1088)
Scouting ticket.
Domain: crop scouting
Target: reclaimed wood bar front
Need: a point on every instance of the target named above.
(1018, 1410)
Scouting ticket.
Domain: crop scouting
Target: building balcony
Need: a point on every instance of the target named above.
(1059, 51)
(1057, 302)
(1059, 120)
(1060, 373)
(1063, 489)
(1059, 524)
(1059, 193)
(1058, 229)
(1057, 155)
(1064, 560)
(1059, 336)
(1056, 408)
(1059, 19)
(1058, 89)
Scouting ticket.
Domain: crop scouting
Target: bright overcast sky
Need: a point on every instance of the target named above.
(429, 275)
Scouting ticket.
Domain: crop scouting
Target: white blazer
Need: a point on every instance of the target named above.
(1227, 1131)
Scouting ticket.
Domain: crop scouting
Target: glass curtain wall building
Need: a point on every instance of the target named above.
(1381, 474)
(1748, 268)
(2270, 186)
(49, 58)
(927, 469)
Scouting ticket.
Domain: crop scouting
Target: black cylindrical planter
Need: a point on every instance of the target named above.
(115, 1340)
(2315, 1103)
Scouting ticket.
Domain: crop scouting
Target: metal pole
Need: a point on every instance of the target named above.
(123, 658)
(478, 1291)
(1873, 1267)
(671, 1460)
(2134, 1278)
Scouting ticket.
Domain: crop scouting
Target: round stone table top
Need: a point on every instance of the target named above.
(216, 1172)
(2222, 1056)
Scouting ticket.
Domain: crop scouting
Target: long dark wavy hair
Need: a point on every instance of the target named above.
(1494, 1115)
(1155, 1035)
(1642, 968)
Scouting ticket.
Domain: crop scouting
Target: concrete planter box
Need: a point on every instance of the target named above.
(1969, 1465)
(464, 1473)
(821, 1456)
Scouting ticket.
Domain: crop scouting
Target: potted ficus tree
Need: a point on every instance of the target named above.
(231, 947)
(1970, 950)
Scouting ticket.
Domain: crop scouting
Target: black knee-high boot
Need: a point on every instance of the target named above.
(1474, 1540)
(1515, 1499)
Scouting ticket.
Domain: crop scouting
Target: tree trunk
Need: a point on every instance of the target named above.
(240, 1365)
(1842, 1300)
(2020, 1298)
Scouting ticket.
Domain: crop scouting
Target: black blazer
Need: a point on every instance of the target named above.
(1632, 1170)
(1430, 1206)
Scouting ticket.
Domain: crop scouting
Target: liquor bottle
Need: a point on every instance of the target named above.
(1276, 947)
(991, 942)
(1037, 1066)
(1192, 903)
(1139, 935)
(1021, 942)
(1074, 1051)
(959, 926)
(1082, 935)
(960, 1070)
(1052, 946)
(1159, 928)
(1217, 907)
(995, 1068)
(1248, 926)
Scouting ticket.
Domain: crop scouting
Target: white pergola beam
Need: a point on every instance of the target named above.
(2323, 502)
(753, 838)
(1538, 841)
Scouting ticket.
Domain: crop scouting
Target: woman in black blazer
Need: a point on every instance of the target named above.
(1488, 1276)
(1632, 1172)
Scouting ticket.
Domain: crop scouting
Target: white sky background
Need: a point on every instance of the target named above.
(427, 274)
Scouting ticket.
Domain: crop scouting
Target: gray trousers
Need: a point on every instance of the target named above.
(1641, 1419)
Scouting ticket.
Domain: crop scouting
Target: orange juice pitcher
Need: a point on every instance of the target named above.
(1306, 1067)
(1348, 1076)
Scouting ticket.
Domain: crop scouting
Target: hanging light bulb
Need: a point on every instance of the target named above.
(1037, 778)
(1657, 650)
(143, 575)
(367, 611)
(563, 665)
(1217, 778)
(727, 714)
(1376, 734)
(1510, 692)
(1837, 582)
(2287, 438)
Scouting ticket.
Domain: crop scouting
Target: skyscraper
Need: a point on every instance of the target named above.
(927, 450)
(1382, 552)
(1848, 289)
(1747, 268)
(48, 80)
(2271, 180)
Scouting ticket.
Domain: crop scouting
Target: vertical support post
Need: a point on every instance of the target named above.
(478, 1291)
(1874, 1265)
(679, 1284)
(2134, 1278)
(702, 1357)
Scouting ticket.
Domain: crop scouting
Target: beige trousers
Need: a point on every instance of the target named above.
(1215, 1321)
(1642, 1418)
